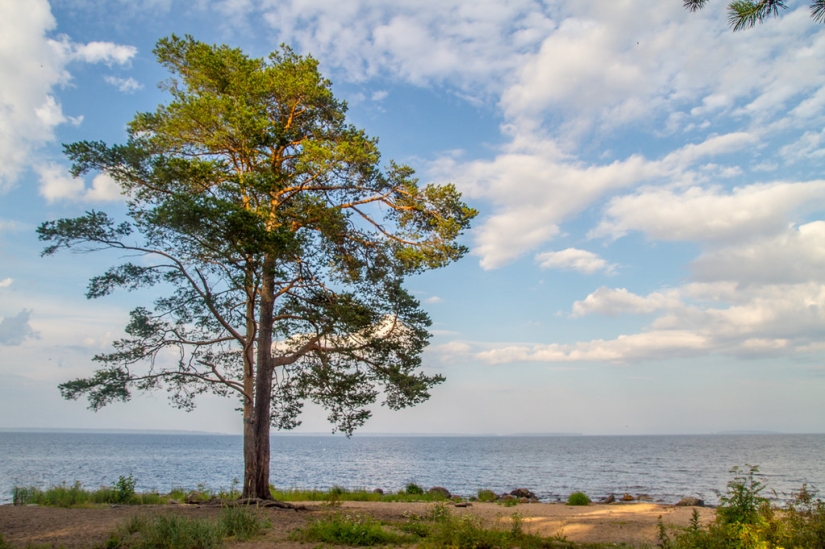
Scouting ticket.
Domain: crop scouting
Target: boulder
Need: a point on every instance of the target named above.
(441, 491)
(522, 493)
(609, 499)
(378, 491)
(628, 497)
(644, 497)
(690, 502)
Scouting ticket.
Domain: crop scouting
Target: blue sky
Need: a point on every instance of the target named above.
(649, 255)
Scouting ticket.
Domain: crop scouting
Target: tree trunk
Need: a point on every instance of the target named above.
(250, 454)
(259, 481)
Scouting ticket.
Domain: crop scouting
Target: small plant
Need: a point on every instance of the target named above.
(516, 525)
(740, 505)
(578, 498)
(334, 496)
(439, 513)
(487, 496)
(125, 489)
(413, 489)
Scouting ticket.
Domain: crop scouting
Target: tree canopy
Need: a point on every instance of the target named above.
(282, 238)
(745, 14)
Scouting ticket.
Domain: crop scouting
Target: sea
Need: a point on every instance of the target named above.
(664, 468)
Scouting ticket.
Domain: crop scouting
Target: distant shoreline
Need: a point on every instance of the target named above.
(69, 430)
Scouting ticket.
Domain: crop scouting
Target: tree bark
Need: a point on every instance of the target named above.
(250, 456)
(259, 482)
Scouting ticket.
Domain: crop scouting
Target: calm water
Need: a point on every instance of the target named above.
(665, 467)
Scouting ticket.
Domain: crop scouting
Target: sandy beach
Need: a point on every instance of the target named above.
(632, 523)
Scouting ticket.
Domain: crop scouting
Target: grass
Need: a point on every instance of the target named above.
(338, 494)
(357, 530)
(74, 495)
(180, 532)
(122, 491)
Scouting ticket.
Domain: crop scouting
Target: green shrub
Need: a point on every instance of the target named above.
(578, 498)
(124, 489)
(487, 496)
(359, 530)
(414, 489)
(741, 503)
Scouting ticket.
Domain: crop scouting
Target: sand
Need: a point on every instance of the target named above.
(630, 523)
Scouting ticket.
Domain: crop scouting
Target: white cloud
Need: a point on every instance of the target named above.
(795, 255)
(710, 214)
(126, 85)
(57, 184)
(613, 302)
(695, 320)
(14, 330)
(470, 45)
(6, 282)
(576, 260)
(534, 187)
(433, 300)
(32, 66)
(103, 52)
(380, 95)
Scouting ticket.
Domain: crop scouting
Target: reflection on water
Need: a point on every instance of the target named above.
(665, 467)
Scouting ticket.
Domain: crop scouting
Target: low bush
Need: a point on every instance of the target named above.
(578, 498)
(414, 489)
(487, 496)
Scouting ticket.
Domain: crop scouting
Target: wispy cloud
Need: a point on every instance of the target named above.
(575, 260)
(126, 85)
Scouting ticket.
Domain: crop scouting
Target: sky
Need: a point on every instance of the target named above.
(649, 254)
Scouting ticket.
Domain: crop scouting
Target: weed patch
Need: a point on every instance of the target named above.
(358, 530)
(179, 532)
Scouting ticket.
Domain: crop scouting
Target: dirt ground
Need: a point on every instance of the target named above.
(85, 528)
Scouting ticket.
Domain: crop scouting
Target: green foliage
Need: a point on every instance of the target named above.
(746, 520)
(413, 489)
(745, 14)
(358, 530)
(487, 496)
(743, 500)
(268, 218)
(578, 498)
(4, 544)
(125, 489)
